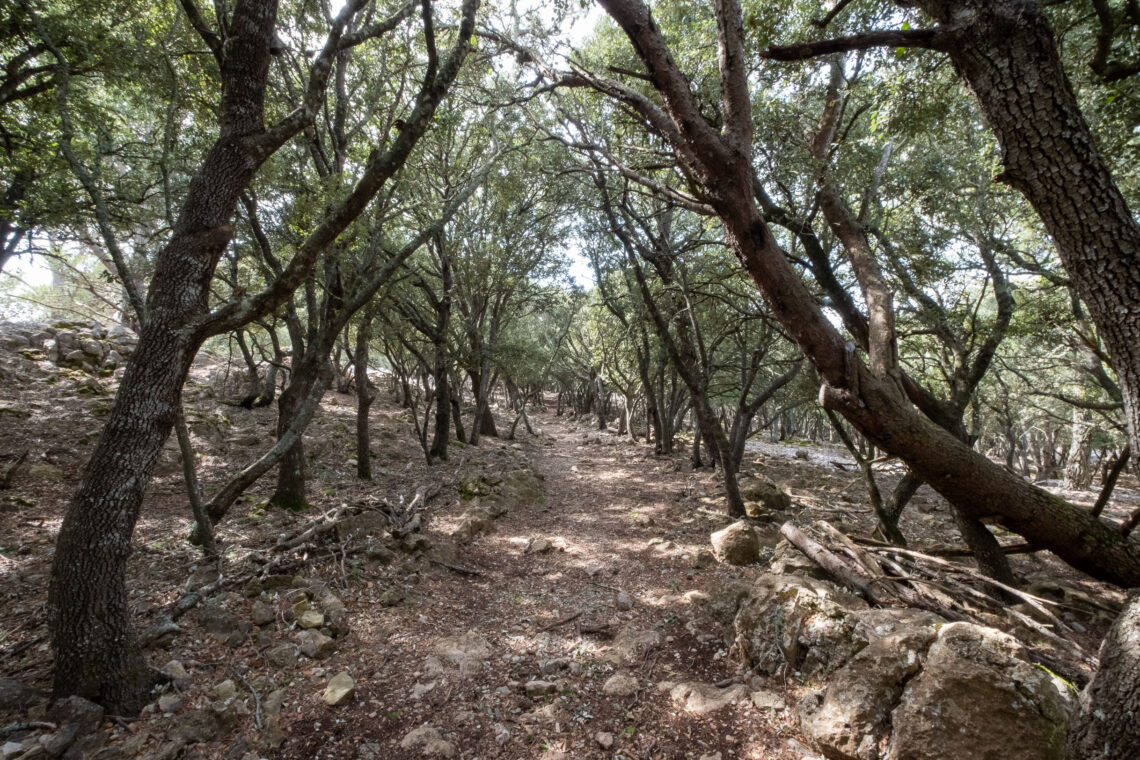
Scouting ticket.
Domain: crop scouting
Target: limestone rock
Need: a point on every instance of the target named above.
(799, 622)
(316, 645)
(701, 698)
(474, 521)
(620, 685)
(540, 688)
(853, 719)
(765, 494)
(311, 619)
(979, 697)
(227, 689)
(630, 644)
(262, 613)
(624, 601)
(767, 700)
(604, 739)
(703, 558)
(788, 560)
(429, 741)
(737, 544)
(176, 670)
(339, 690)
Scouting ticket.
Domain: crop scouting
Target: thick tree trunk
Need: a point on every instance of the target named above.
(719, 161)
(95, 652)
(1006, 53)
(1107, 725)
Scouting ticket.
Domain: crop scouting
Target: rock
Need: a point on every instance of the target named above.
(339, 690)
(979, 697)
(551, 667)
(92, 348)
(78, 721)
(392, 596)
(376, 550)
(767, 700)
(630, 644)
(703, 558)
(15, 695)
(788, 560)
(701, 698)
(800, 622)
(311, 619)
(11, 750)
(624, 601)
(225, 690)
(710, 756)
(176, 670)
(645, 521)
(316, 645)
(853, 718)
(169, 703)
(86, 715)
(620, 686)
(467, 651)
(274, 702)
(283, 655)
(536, 689)
(762, 493)
(541, 546)
(415, 543)
(420, 689)
(262, 613)
(218, 621)
(366, 524)
(474, 521)
(428, 741)
(604, 739)
(737, 544)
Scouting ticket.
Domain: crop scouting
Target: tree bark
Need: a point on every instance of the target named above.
(1106, 726)
(364, 397)
(719, 162)
(1007, 54)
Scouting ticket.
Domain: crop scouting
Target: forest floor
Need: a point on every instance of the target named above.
(502, 647)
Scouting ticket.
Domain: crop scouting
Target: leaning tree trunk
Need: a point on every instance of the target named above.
(1107, 725)
(1078, 467)
(719, 161)
(1006, 53)
(93, 643)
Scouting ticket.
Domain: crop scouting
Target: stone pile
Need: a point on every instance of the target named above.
(86, 346)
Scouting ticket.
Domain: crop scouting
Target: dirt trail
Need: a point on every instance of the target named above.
(512, 663)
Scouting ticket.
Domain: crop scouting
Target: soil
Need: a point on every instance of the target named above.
(603, 551)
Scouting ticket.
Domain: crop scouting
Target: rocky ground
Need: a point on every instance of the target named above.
(561, 600)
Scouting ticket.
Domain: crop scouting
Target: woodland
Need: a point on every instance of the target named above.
(492, 326)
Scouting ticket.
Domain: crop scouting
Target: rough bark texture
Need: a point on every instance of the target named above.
(93, 640)
(1107, 726)
(1006, 53)
(364, 398)
(719, 163)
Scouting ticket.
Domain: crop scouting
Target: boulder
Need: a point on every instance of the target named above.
(474, 521)
(797, 622)
(630, 644)
(852, 720)
(979, 697)
(737, 544)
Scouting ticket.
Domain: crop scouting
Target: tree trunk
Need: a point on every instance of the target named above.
(364, 397)
(1106, 726)
(290, 490)
(1007, 54)
(1078, 467)
(719, 161)
(95, 652)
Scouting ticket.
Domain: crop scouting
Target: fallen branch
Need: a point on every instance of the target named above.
(563, 621)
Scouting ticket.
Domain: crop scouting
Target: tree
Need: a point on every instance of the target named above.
(96, 654)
